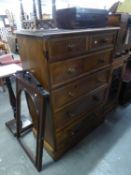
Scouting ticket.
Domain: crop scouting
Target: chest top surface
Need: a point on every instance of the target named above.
(58, 32)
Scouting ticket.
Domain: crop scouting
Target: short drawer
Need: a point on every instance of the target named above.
(76, 110)
(69, 92)
(64, 71)
(102, 40)
(79, 129)
(65, 47)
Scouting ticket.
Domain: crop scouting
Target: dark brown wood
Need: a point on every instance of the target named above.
(32, 55)
(117, 64)
(102, 41)
(27, 83)
(12, 97)
(121, 20)
(77, 73)
(67, 70)
(78, 129)
(68, 93)
(66, 47)
(80, 107)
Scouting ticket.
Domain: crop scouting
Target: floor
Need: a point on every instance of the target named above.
(106, 151)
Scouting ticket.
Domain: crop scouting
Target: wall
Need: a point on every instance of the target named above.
(12, 6)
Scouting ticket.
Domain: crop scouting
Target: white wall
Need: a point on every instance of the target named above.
(13, 5)
(86, 3)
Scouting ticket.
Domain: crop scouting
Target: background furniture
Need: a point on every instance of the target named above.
(120, 57)
(4, 20)
(36, 21)
(12, 42)
(125, 94)
(8, 67)
(4, 60)
(117, 72)
(123, 20)
(5, 72)
(3, 48)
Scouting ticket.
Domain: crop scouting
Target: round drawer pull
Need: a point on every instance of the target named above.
(71, 70)
(71, 46)
(75, 131)
(95, 42)
(70, 114)
(72, 133)
(71, 94)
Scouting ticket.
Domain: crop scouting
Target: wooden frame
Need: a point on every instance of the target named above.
(26, 82)
(38, 22)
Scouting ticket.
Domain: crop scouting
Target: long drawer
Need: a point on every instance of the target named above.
(76, 110)
(69, 92)
(66, 47)
(79, 129)
(64, 71)
(100, 40)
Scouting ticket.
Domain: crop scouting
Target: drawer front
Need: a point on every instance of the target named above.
(65, 47)
(99, 41)
(65, 71)
(75, 111)
(67, 93)
(79, 129)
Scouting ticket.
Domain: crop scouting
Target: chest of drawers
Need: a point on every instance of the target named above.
(74, 66)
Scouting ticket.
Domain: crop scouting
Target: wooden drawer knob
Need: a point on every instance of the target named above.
(72, 133)
(96, 42)
(71, 114)
(71, 94)
(76, 130)
(71, 70)
(70, 47)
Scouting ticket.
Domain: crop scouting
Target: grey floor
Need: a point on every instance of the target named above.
(106, 151)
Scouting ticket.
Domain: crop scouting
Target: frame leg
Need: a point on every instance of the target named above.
(11, 125)
(40, 99)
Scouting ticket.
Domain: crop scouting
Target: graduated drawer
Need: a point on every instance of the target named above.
(64, 71)
(75, 132)
(65, 47)
(76, 110)
(69, 92)
(102, 40)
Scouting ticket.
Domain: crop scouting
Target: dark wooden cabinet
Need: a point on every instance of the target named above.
(117, 71)
(124, 37)
(75, 67)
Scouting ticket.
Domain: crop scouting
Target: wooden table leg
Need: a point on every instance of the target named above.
(12, 123)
